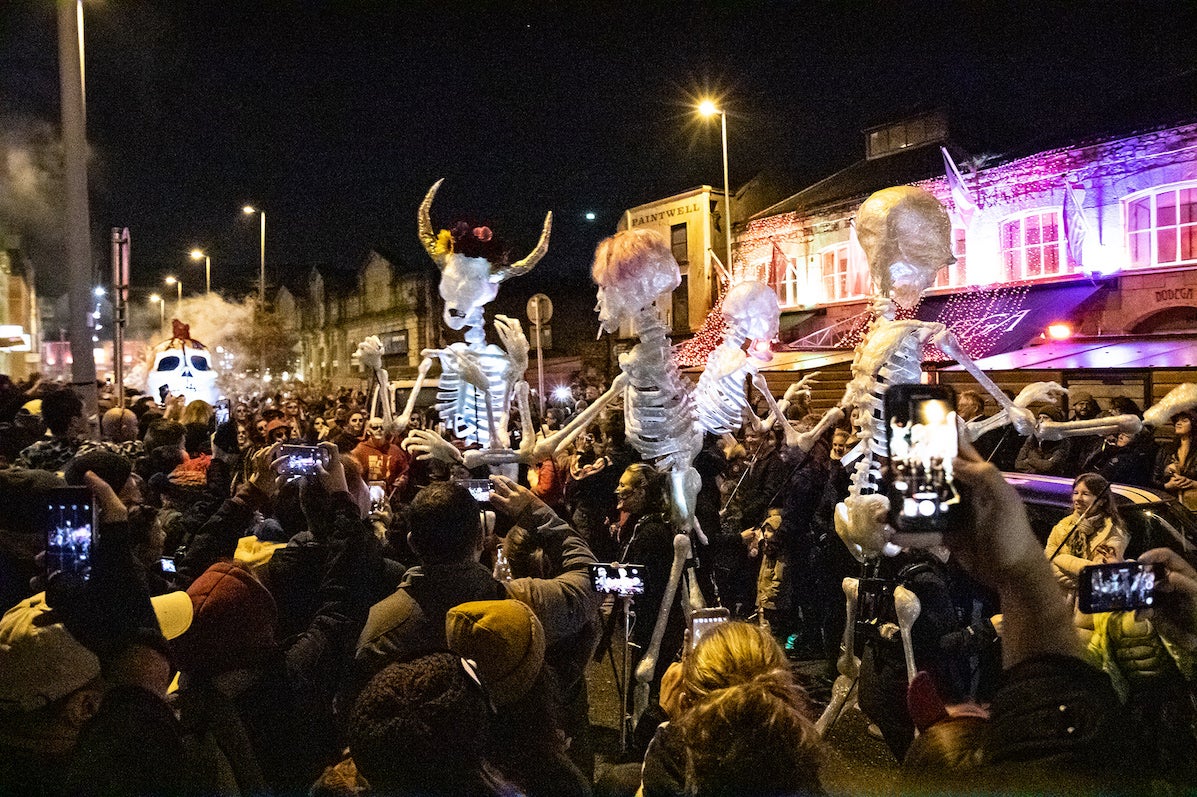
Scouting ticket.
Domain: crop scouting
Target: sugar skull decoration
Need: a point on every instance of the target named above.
(182, 366)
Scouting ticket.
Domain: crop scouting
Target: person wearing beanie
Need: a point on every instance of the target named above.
(506, 642)
(255, 703)
(421, 728)
(1045, 457)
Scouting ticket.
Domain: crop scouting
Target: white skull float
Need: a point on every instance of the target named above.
(182, 366)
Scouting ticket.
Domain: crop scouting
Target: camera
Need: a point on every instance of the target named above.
(1117, 587)
(301, 460)
(479, 488)
(921, 423)
(703, 620)
(70, 524)
(624, 580)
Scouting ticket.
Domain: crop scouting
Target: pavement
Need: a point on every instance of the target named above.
(857, 763)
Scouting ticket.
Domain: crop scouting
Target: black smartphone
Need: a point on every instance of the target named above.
(301, 460)
(921, 424)
(222, 412)
(703, 620)
(70, 525)
(1118, 587)
(619, 579)
(167, 563)
(479, 488)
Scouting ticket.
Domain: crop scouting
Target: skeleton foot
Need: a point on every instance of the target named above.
(907, 607)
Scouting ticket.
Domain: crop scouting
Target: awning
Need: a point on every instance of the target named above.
(1007, 320)
(795, 361)
(1095, 354)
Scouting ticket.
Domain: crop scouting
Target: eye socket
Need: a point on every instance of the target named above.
(168, 363)
(199, 363)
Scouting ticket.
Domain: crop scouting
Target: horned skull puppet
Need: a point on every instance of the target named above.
(478, 379)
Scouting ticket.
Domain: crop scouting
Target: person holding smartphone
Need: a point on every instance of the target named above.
(1092, 534)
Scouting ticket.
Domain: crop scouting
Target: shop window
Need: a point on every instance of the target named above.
(955, 275)
(1031, 245)
(833, 262)
(1161, 226)
(680, 244)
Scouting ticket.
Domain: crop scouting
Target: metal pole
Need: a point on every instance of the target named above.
(120, 290)
(162, 317)
(727, 225)
(262, 276)
(208, 275)
(179, 299)
(78, 214)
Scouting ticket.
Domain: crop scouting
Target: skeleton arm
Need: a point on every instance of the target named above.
(534, 451)
(403, 420)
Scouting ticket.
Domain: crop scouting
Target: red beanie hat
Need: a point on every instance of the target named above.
(234, 624)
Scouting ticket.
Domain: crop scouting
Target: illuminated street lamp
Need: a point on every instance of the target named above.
(178, 283)
(200, 254)
(708, 109)
(250, 210)
(156, 299)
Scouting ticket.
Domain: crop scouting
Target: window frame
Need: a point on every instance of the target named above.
(1152, 231)
(1024, 246)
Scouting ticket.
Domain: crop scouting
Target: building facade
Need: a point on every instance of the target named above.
(329, 315)
(18, 311)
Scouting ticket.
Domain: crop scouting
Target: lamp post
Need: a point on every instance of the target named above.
(707, 108)
(250, 210)
(178, 283)
(200, 254)
(156, 299)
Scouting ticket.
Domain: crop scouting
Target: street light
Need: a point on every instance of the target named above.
(200, 254)
(156, 299)
(250, 210)
(707, 108)
(178, 283)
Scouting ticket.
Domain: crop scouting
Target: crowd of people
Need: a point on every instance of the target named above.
(366, 626)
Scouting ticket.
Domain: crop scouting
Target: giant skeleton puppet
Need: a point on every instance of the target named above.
(478, 379)
(182, 366)
(751, 313)
(906, 236)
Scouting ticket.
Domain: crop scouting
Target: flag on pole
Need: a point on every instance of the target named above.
(1074, 225)
(778, 265)
(965, 206)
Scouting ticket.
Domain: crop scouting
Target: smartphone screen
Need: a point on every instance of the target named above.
(921, 422)
(378, 496)
(703, 620)
(617, 579)
(479, 488)
(167, 564)
(70, 531)
(1117, 587)
(300, 460)
(222, 411)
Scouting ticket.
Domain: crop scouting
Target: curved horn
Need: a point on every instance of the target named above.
(424, 224)
(524, 266)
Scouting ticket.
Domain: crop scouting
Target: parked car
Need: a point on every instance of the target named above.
(1155, 519)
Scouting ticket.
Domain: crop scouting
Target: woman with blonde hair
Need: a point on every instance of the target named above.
(739, 723)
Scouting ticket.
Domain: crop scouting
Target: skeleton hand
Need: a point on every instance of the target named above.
(369, 353)
(801, 388)
(1040, 393)
(1022, 419)
(426, 444)
(860, 523)
(515, 342)
(1180, 398)
(805, 441)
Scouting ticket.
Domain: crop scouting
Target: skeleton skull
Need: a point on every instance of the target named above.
(907, 237)
(632, 268)
(466, 287)
(182, 365)
(376, 429)
(751, 311)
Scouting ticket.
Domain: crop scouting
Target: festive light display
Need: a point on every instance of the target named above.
(693, 353)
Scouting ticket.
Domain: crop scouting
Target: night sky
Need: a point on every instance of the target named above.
(336, 117)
